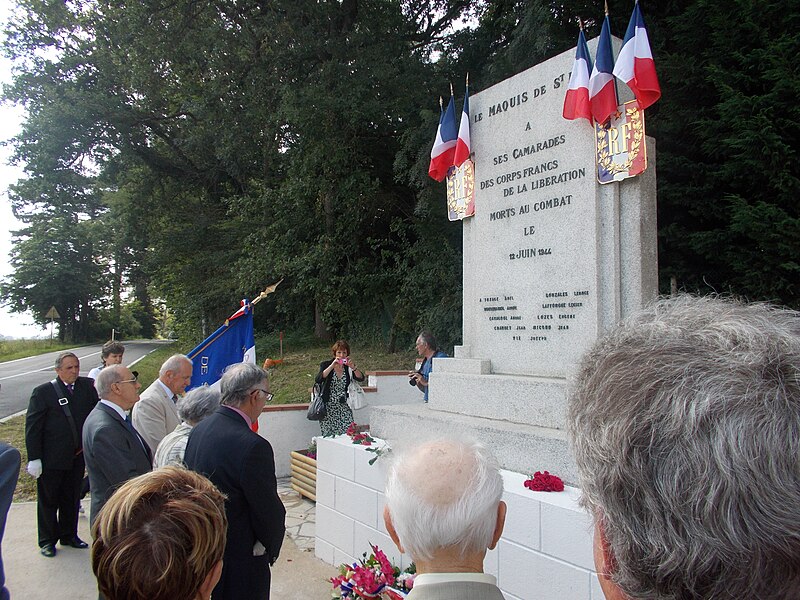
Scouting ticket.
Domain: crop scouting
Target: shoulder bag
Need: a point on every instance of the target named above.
(356, 398)
(316, 408)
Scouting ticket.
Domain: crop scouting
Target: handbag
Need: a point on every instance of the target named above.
(356, 398)
(316, 408)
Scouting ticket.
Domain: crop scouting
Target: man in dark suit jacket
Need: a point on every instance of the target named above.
(9, 473)
(53, 424)
(115, 452)
(241, 464)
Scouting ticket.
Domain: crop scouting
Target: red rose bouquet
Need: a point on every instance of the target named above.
(544, 482)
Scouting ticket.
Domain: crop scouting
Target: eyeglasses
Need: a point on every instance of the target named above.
(266, 393)
(134, 380)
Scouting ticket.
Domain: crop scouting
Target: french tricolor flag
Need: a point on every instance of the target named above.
(635, 64)
(444, 147)
(576, 104)
(463, 144)
(602, 87)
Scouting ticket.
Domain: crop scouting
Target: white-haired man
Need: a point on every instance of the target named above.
(443, 507)
(685, 422)
(156, 413)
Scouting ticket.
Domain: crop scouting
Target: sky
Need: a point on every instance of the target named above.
(11, 324)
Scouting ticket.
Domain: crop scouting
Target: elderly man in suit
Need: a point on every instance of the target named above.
(115, 452)
(685, 424)
(241, 464)
(53, 427)
(156, 413)
(443, 507)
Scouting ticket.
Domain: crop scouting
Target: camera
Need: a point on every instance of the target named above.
(343, 361)
(411, 380)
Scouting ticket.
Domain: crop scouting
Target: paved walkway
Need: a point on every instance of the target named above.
(298, 574)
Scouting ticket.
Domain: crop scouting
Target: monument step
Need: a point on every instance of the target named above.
(537, 401)
(519, 447)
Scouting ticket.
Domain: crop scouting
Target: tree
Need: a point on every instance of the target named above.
(201, 151)
(728, 133)
(53, 266)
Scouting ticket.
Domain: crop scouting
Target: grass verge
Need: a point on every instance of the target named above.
(14, 349)
(291, 380)
(13, 432)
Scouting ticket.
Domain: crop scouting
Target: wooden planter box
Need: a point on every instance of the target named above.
(304, 474)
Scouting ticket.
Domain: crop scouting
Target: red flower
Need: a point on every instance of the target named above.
(545, 482)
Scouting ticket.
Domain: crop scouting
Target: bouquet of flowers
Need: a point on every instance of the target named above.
(359, 436)
(544, 482)
(373, 577)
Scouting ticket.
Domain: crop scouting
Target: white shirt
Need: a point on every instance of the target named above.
(116, 407)
(432, 578)
(167, 391)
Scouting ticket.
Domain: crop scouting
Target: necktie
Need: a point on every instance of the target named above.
(175, 398)
(70, 387)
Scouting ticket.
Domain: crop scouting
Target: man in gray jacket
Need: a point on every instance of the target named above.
(156, 413)
(114, 450)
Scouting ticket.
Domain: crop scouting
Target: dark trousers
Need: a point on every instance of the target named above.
(58, 494)
(247, 577)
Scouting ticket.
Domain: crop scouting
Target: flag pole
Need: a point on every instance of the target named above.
(267, 291)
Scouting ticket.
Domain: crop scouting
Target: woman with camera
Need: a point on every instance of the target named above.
(335, 377)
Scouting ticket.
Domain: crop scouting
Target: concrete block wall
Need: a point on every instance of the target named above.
(287, 428)
(545, 550)
(385, 388)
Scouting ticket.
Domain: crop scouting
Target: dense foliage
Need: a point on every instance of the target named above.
(197, 152)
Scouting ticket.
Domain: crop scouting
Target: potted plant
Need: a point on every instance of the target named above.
(304, 471)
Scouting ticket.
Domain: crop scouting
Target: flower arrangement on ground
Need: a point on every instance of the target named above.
(373, 577)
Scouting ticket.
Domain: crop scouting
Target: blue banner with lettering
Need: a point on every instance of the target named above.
(232, 343)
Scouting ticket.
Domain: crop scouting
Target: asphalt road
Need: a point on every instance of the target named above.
(19, 377)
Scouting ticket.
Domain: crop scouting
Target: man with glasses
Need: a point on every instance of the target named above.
(53, 424)
(241, 464)
(115, 452)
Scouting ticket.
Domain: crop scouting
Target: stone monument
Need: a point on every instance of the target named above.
(551, 260)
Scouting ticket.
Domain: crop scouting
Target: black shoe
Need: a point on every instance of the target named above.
(75, 542)
(48, 550)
